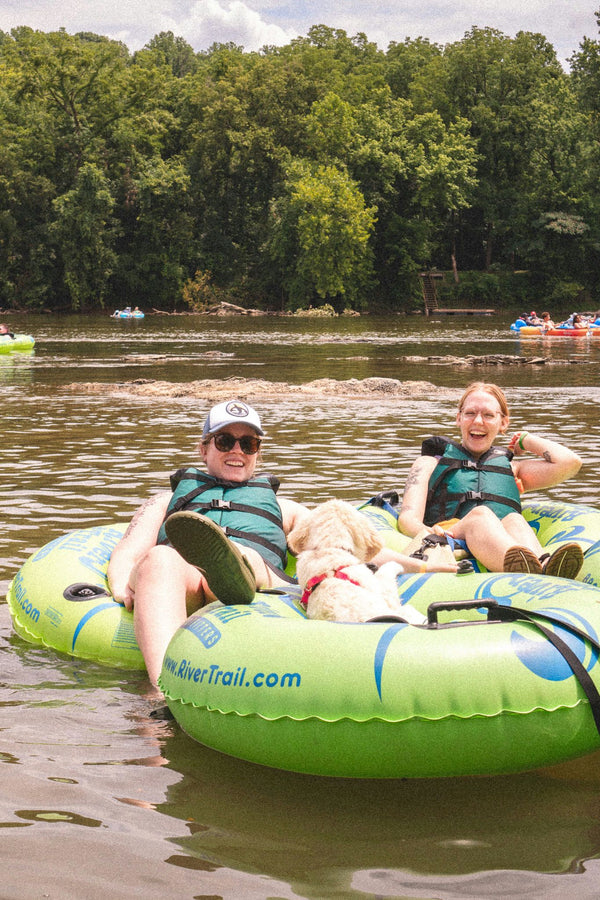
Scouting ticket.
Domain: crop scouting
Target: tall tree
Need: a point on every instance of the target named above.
(320, 238)
(492, 80)
(84, 232)
(176, 52)
(157, 254)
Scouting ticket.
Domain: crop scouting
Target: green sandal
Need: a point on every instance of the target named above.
(203, 544)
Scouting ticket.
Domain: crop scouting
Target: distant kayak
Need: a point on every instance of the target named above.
(568, 332)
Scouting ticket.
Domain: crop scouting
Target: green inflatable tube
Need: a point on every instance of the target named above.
(385, 700)
(460, 696)
(60, 599)
(19, 342)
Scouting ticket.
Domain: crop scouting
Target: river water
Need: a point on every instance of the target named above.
(98, 798)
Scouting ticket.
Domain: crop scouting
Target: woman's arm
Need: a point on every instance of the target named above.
(292, 513)
(141, 534)
(412, 511)
(550, 464)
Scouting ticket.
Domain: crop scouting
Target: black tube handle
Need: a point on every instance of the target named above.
(446, 606)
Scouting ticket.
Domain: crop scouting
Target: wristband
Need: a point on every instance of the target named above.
(513, 441)
(522, 435)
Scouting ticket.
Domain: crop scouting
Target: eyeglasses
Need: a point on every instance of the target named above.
(224, 442)
(473, 413)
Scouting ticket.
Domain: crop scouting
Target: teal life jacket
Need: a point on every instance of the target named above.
(247, 511)
(460, 482)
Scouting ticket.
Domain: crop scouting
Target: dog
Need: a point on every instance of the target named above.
(333, 545)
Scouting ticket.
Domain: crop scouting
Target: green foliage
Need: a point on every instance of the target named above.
(200, 294)
(157, 251)
(479, 289)
(320, 237)
(322, 173)
(175, 52)
(566, 294)
(84, 232)
(317, 312)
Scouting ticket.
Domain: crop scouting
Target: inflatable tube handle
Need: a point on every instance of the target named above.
(458, 605)
(81, 592)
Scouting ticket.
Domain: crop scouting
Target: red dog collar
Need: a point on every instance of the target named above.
(316, 580)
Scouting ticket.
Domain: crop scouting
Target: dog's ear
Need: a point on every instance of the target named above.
(368, 538)
(298, 536)
(365, 537)
(374, 545)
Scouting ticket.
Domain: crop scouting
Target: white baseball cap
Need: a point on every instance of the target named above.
(232, 412)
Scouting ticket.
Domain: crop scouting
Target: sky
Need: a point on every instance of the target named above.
(255, 23)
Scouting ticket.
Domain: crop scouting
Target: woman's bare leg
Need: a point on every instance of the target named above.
(489, 538)
(166, 591)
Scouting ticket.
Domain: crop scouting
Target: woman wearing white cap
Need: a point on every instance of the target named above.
(235, 544)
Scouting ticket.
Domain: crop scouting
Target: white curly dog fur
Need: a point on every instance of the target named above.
(336, 537)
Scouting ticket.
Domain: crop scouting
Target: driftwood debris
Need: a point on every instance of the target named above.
(489, 359)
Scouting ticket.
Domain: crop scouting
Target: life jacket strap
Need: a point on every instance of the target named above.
(249, 539)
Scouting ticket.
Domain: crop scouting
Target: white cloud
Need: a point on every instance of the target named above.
(208, 21)
(253, 23)
(135, 22)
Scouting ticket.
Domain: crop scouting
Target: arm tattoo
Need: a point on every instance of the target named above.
(139, 513)
(547, 456)
(413, 478)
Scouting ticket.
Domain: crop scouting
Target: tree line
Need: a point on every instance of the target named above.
(323, 171)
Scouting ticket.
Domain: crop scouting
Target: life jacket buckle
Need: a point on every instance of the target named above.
(474, 495)
(219, 503)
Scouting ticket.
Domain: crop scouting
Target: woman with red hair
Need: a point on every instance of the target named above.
(470, 490)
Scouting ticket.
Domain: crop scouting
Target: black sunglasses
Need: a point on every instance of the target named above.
(224, 442)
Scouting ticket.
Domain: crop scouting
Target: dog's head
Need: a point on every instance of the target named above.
(336, 523)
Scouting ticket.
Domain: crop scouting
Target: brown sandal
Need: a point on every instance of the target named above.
(521, 559)
(564, 562)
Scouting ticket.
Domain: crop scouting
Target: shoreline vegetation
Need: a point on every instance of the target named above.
(224, 309)
(323, 173)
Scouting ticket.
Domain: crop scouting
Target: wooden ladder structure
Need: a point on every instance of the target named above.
(430, 299)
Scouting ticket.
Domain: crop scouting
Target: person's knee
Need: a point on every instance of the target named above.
(159, 559)
(480, 517)
(520, 529)
(163, 573)
(515, 520)
(254, 559)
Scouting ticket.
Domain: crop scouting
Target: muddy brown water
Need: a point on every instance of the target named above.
(98, 798)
